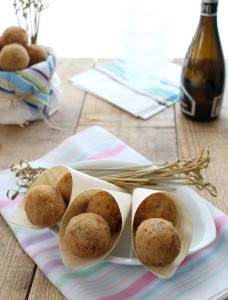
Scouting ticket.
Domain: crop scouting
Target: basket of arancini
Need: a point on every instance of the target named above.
(29, 86)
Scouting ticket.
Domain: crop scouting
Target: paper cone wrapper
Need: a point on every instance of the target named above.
(183, 226)
(77, 206)
(51, 176)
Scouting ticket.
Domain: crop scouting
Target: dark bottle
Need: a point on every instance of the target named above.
(203, 72)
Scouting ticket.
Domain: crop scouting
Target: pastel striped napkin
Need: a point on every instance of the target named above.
(203, 275)
(108, 81)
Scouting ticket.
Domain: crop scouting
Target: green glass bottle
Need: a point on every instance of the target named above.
(203, 71)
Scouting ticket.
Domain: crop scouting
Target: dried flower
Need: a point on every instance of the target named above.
(28, 14)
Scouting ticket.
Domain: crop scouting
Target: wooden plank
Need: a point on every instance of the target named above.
(194, 136)
(17, 269)
(43, 289)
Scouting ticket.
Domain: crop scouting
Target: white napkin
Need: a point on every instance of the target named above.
(108, 81)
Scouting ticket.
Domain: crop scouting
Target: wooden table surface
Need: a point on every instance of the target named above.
(166, 136)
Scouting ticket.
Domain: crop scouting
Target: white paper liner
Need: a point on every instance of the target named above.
(77, 206)
(183, 225)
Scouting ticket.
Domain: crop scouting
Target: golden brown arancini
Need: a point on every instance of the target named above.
(44, 205)
(104, 204)
(87, 235)
(37, 54)
(65, 187)
(1, 45)
(13, 35)
(13, 57)
(157, 242)
(157, 205)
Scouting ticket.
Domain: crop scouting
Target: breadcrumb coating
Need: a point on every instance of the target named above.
(44, 205)
(87, 235)
(104, 204)
(13, 35)
(13, 57)
(157, 205)
(65, 187)
(37, 54)
(157, 242)
(1, 45)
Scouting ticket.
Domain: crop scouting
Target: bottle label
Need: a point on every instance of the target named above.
(209, 7)
(217, 104)
(188, 104)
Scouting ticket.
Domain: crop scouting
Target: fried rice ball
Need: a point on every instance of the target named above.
(37, 54)
(13, 57)
(44, 205)
(156, 205)
(13, 35)
(87, 235)
(65, 187)
(104, 204)
(157, 242)
(1, 45)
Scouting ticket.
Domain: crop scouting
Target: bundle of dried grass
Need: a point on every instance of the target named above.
(28, 14)
(161, 177)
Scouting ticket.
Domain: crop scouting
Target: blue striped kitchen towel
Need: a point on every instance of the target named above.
(30, 94)
(108, 81)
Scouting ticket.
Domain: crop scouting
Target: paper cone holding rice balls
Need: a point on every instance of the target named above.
(47, 199)
(161, 230)
(29, 86)
(60, 195)
(92, 226)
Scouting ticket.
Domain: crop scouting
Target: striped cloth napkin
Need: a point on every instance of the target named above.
(108, 81)
(203, 275)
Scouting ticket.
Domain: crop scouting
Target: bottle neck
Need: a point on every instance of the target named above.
(208, 17)
(209, 8)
